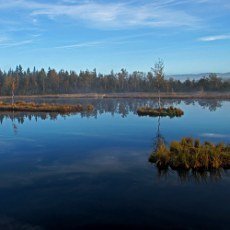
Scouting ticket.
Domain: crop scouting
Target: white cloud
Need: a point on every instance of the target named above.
(214, 38)
(112, 14)
(109, 41)
(81, 45)
(14, 44)
(118, 15)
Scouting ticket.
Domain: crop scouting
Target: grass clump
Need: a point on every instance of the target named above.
(162, 112)
(89, 108)
(44, 107)
(191, 154)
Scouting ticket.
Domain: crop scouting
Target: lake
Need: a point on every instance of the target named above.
(91, 170)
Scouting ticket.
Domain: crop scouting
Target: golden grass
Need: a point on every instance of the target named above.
(44, 107)
(190, 154)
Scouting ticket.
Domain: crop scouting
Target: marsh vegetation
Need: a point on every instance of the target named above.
(191, 154)
(43, 107)
(162, 112)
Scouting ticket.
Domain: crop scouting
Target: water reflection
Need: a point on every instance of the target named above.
(20, 117)
(192, 176)
(76, 171)
(125, 105)
(112, 106)
(185, 176)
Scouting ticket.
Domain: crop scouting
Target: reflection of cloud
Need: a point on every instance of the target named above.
(103, 160)
(215, 135)
(8, 223)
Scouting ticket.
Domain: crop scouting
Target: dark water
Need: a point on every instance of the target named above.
(92, 170)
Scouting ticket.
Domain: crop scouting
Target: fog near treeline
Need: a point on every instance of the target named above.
(32, 82)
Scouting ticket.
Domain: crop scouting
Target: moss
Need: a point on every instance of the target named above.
(163, 112)
(189, 154)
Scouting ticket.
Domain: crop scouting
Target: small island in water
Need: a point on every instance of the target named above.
(43, 107)
(191, 154)
(162, 112)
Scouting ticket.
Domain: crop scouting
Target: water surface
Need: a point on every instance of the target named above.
(92, 170)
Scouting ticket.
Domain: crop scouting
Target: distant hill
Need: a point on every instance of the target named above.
(184, 77)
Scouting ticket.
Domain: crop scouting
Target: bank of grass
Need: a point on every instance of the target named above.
(163, 112)
(191, 154)
(22, 106)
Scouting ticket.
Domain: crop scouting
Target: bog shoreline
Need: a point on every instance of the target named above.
(135, 95)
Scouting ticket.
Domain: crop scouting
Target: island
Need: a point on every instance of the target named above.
(191, 154)
(43, 107)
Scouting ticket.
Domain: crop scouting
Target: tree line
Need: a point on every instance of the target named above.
(29, 82)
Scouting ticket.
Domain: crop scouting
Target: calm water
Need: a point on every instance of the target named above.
(88, 171)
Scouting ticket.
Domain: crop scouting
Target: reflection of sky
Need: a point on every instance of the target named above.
(88, 166)
(67, 141)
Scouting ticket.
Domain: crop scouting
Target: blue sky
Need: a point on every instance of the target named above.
(191, 36)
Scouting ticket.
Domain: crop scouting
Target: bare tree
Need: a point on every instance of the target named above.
(13, 86)
(158, 71)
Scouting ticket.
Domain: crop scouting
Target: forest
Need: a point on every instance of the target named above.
(34, 82)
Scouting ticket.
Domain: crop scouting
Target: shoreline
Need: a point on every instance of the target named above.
(135, 95)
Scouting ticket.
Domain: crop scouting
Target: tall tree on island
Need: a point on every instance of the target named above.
(158, 72)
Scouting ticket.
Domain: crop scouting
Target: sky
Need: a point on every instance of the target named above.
(190, 36)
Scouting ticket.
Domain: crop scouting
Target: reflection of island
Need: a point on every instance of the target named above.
(113, 106)
(20, 117)
(160, 158)
(187, 176)
(126, 105)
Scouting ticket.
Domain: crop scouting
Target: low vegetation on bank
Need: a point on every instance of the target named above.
(44, 107)
(191, 154)
(162, 112)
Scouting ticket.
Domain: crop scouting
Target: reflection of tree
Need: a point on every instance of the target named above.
(192, 176)
(15, 128)
(123, 106)
(212, 105)
(159, 139)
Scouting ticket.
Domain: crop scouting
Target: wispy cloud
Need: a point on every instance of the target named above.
(215, 38)
(112, 14)
(14, 44)
(81, 45)
(108, 41)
